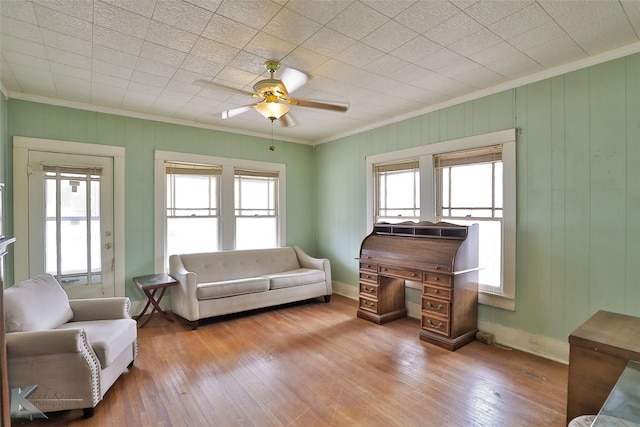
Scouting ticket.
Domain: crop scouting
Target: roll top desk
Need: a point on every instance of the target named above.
(443, 258)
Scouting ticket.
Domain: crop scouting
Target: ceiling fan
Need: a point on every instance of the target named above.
(274, 94)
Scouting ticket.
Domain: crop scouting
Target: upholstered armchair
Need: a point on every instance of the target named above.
(72, 350)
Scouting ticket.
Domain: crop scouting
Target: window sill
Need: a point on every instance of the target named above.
(495, 300)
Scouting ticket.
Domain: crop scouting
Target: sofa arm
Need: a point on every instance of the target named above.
(41, 343)
(184, 298)
(100, 308)
(307, 261)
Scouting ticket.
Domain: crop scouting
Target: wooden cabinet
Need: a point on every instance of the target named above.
(381, 297)
(599, 350)
(443, 258)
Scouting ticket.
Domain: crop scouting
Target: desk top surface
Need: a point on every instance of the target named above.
(609, 331)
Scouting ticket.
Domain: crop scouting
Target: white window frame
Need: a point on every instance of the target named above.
(425, 154)
(410, 165)
(227, 218)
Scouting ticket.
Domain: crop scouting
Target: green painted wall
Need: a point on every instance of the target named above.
(578, 184)
(140, 139)
(4, 138)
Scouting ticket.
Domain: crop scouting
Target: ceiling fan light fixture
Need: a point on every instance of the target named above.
(272, 110)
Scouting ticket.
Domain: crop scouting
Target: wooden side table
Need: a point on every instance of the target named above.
(150, 285)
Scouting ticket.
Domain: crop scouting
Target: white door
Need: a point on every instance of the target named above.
(71, 221)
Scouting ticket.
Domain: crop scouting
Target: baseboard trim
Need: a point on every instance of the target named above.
(528, 342)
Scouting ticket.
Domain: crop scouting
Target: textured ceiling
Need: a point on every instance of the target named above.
(387, 58)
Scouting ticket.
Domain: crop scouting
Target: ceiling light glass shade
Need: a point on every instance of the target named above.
(272, 110)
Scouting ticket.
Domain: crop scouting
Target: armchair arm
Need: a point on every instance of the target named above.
(59, 361)
(100, 308)
(307, 261)
(41, 343)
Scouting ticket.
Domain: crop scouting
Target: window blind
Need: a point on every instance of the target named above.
(249, 172)
(396, 166)
(173, 168)
(74, 170)
(466, 157)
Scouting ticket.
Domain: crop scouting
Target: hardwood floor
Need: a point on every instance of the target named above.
(316, 364)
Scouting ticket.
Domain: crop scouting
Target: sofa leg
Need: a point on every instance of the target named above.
(88, 412)
(327, 298)
(193, 324)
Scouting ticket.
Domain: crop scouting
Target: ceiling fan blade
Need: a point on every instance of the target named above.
(229, 89)
(293, 79)
(236, 111)
(287, 120)
(315, 104)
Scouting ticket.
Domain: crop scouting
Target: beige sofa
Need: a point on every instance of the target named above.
(217, 283)
(71, 350)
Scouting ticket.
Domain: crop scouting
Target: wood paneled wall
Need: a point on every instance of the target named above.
(578, 184)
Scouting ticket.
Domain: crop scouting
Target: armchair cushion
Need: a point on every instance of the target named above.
(36, 304)
(108, 338)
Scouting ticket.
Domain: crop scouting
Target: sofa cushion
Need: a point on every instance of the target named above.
(37, 304)
(228, 288)
(231, 265)
(108, 338)
(298, 277)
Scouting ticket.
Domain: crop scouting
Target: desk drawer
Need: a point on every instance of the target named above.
(436, 292)
(369, 289)
(403, 273)
(439, 279)
(368, 277)
(435, 324)
(368, 266)
(369, 304)
(435, 306)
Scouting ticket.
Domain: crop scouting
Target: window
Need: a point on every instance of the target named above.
(397, 191)
(256, 213)
(193, 194)
(468, 191)
(467, 180)
(72, 230)
(207, 203)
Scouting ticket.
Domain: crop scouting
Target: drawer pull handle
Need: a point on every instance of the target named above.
(436, 291)
(437, 267)
(436, 279)
(413, 274)
(385, 269)
(367, 304)
(433, 307)
(433, 325)
(367, 290)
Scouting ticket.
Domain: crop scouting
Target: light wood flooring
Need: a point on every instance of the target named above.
(316, 364)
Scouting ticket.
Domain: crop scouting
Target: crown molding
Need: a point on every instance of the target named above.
(144, 116)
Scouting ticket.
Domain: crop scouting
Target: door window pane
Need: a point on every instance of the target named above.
(72, 229)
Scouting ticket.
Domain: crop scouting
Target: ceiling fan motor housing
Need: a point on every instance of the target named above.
(270, 87)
